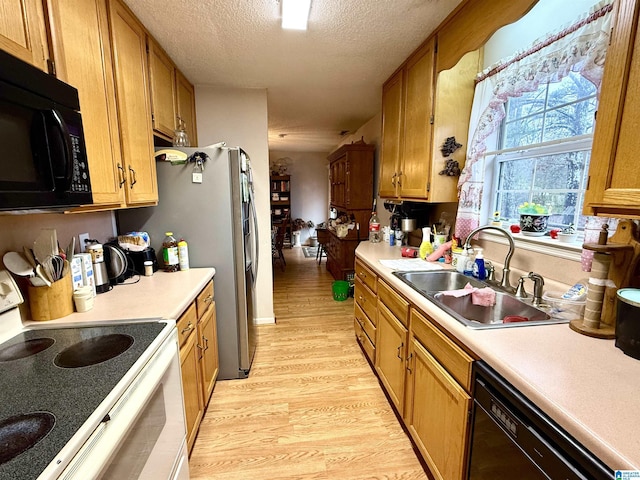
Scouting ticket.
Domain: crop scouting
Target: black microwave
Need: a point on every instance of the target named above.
(43, 160)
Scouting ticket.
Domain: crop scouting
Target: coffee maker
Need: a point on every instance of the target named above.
(100, 273)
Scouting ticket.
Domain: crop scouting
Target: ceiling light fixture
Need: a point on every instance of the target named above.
(295, 14)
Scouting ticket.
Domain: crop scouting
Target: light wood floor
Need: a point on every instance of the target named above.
(311, 407)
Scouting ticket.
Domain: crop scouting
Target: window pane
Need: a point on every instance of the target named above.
(516, 175)
(508, 202)
(569, 121)
(561, 171)
(527, 104)
(572, 88)
(562, 205)
(526, 131)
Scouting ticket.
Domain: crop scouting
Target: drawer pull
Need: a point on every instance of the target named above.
(409, 362)
(186, 329)
(206, 343)
(208, 298)
(361, 298)
(399, 348)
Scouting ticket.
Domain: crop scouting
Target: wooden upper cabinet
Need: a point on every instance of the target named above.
(614, 177)
(351, 172)
(22, 31)
(128, 40)
(392, 116)
(81, 52)
(415, 161)
(162, 83)
(186, 106)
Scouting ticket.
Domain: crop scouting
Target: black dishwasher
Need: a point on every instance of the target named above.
(512, 438)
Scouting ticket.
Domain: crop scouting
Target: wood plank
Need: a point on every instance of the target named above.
(311, 408)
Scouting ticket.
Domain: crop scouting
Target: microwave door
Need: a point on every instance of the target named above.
(60, 150)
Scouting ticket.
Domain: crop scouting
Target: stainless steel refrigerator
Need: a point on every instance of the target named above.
(211, 206)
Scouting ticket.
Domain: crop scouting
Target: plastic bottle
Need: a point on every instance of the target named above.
(170, 253)
(374, 228)
(479, 270)
(425, 247)
(470, 261)
(183, 254)
(461, 265)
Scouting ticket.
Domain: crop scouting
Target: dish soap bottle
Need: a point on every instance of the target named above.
(461, 264)
(183, 254)
(170, 253)
(468, 268)
(479, 270)
(425, 247)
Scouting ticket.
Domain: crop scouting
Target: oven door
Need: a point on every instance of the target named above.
(143, 436)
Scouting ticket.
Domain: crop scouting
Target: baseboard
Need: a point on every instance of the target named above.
(265, 320)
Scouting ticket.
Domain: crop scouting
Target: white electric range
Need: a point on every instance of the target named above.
(102, 400)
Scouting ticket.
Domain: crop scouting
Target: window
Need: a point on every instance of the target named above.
(544, 150)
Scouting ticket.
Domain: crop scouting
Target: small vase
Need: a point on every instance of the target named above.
(533, 225)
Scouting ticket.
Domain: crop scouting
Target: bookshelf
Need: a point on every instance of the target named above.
(281, 203)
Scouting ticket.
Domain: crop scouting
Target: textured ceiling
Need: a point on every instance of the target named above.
(319, 82)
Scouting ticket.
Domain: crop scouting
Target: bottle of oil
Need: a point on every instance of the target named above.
(170, 253)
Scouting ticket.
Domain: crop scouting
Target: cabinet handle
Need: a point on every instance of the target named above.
(208, 299)
(409, 362)
(399, 348)
(132, 174)
(393, 179)
(361, 298)
(186, 329)
(121, 175)
(400, 178)
(206, 343)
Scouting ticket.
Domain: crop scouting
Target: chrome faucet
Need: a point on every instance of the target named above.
(538, 283)
(504, 282)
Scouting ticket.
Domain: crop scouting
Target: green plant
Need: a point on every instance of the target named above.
(299, 224)
(533, 209)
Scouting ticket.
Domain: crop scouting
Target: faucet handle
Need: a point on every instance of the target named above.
(520, 292)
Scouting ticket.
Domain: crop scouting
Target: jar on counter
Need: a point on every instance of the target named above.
(170, 253)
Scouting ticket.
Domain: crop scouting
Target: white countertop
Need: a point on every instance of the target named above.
(587, 385)
(162, 295)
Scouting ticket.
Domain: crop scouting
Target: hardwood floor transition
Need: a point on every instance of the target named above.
(311, 407)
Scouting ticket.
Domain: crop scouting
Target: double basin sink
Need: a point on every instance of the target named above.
(508, 310)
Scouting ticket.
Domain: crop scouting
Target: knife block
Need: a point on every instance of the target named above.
(49, 303)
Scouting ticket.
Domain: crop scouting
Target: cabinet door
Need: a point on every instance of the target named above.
(22, 31)
(391, 347)
(186, 106)
(128, 39)
(415, 161)
(437, 414)
(162, 84)
(208, 343)
(614, 178)
(80, 46)
(338, 182)
(191, 387)
(392, 114)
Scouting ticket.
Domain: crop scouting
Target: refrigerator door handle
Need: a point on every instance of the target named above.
(256, 240)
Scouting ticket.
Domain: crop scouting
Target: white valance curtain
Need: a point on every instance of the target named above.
(579, 47)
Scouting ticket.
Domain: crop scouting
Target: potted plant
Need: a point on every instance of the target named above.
(533, 219)
(298, 224)
(568, 234)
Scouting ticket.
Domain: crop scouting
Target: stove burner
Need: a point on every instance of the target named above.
(25, 349)
(93, 351)
(21, 432)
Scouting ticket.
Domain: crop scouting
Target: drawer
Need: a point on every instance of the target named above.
(363, 340)
(187, 323)
(365, 298)
(366, 276)
(368, 326)
(394, 302)
(455, 360)
(204, 299)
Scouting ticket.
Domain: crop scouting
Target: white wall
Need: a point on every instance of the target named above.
(309, 193)
(545, 17)
(239, 118)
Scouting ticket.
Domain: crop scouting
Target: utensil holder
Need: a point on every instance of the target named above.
(48, 303)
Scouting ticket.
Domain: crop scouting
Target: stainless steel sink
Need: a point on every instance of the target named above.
(438, 281)
(430, 284)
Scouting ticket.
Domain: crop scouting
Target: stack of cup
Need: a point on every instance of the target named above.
(595, 292)
(83, 298)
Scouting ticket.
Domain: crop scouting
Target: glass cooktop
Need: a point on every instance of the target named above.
(53, 380)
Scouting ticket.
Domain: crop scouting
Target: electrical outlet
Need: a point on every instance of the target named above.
(82, 237)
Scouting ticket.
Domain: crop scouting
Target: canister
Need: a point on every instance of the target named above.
(628, 321)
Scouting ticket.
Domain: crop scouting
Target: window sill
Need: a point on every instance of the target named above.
(544, 245)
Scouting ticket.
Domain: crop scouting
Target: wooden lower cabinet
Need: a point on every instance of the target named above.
(209, 363)
(391, 348)
(191, 387)
(197, 335)
(437, 414)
